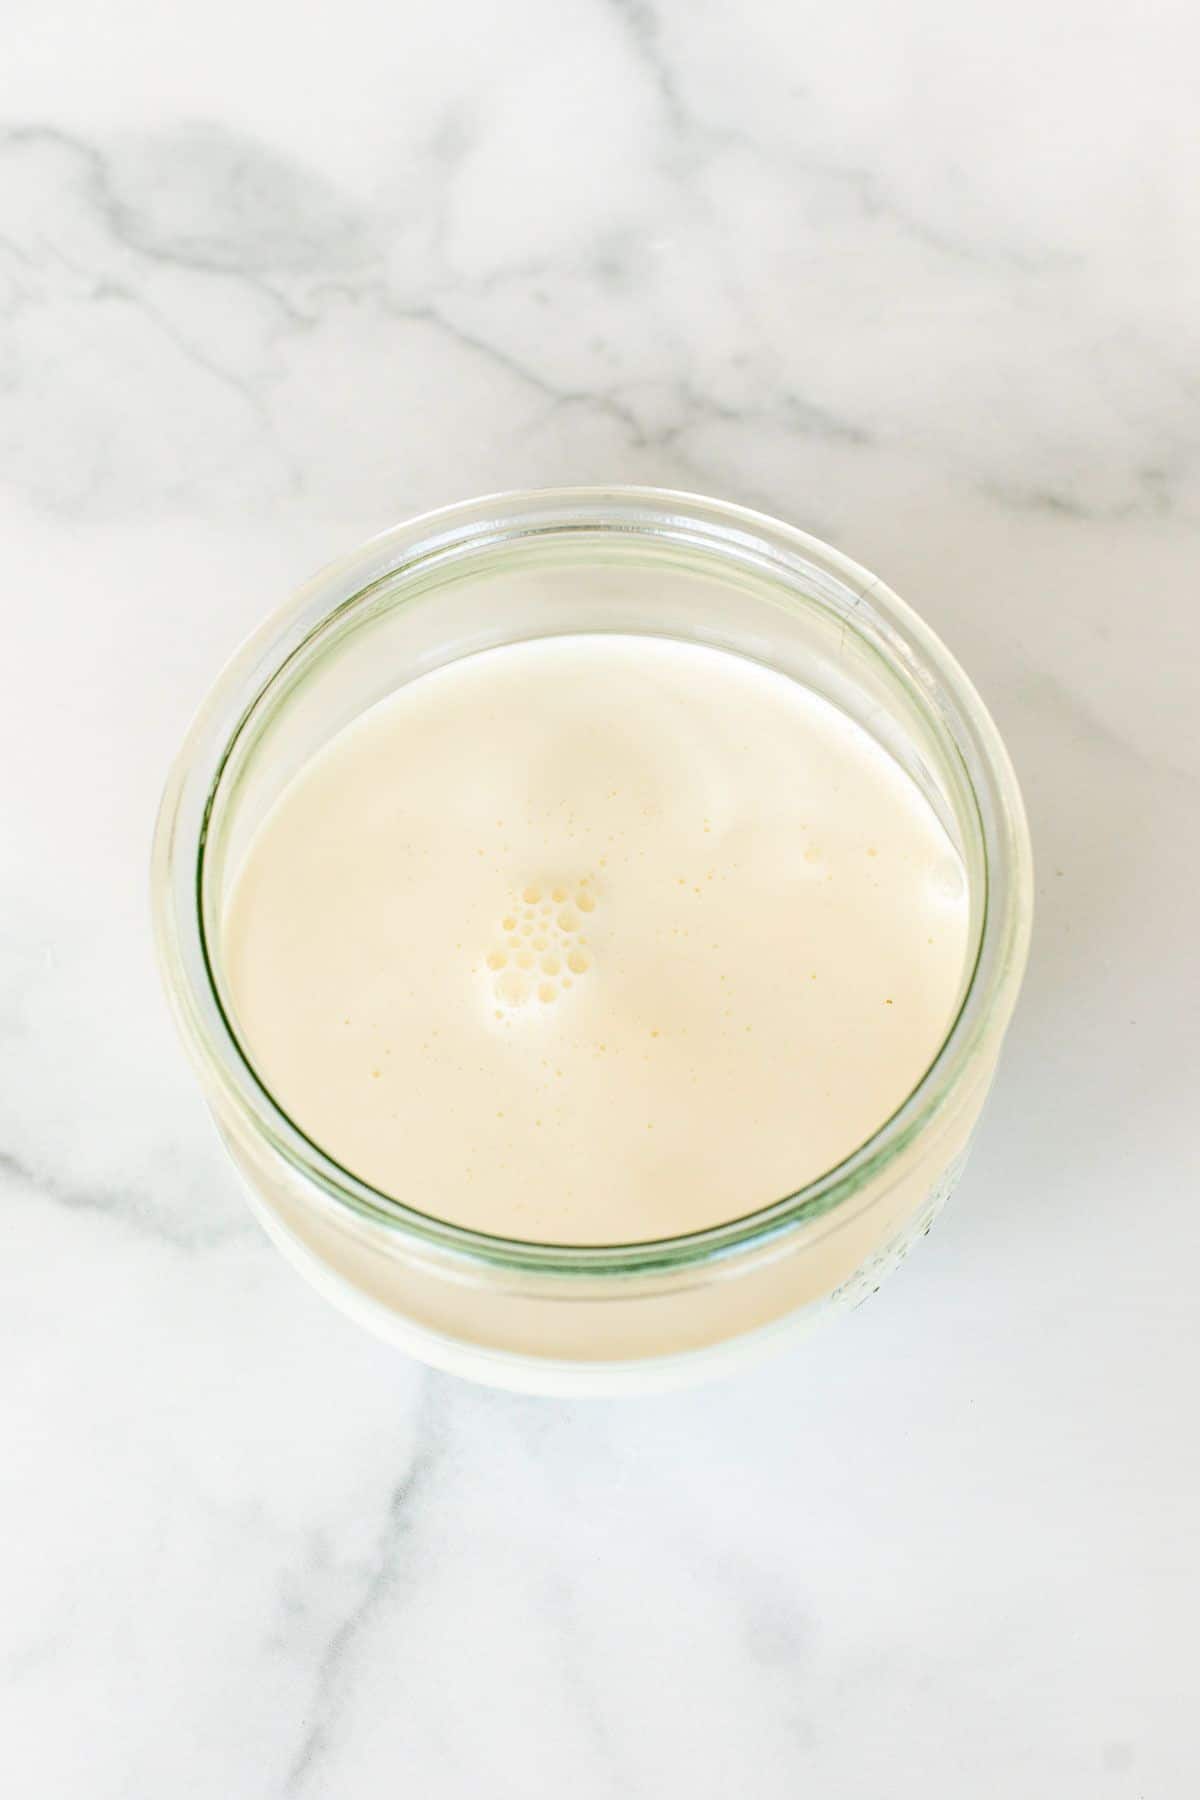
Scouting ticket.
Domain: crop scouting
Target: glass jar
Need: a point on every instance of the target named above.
(544, 1317)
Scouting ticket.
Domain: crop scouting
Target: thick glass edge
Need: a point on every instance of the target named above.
(187, 799)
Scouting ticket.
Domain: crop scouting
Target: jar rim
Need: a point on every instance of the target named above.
(720, 528)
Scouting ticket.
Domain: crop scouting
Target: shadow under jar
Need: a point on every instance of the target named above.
(542, 1316)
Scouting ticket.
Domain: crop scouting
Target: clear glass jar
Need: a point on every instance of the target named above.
(543, 1317)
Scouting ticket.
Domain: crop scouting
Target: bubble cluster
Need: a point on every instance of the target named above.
(539, 946)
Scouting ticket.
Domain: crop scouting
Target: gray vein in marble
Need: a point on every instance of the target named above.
(564, 1609)
(875, 201)
(130, 1208)
(618, 401)
(642, 25)
(1156, 497)
(694, 139)
(239, 385)
(873, 198)
(261, 227)
(223, 208)
(434, 316)
(793, 413)
(400, 1520)
(219, 254)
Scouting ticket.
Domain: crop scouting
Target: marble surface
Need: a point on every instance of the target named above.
(923, 279)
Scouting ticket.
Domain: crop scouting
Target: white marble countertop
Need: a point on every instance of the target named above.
(922, 280)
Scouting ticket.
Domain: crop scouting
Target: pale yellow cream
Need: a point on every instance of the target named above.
(596, 939)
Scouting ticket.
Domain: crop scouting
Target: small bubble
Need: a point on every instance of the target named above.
(527, 929)
(812, 854)
(546, 991)
(514, 943)
(539, 943)
(568, 918)
(579, 962)
(551, 964)
(532, 895)
(585, 901)
(559, 893)
(508, 924)
(497, 959)
(525, 959)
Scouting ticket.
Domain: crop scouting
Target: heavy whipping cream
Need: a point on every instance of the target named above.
(595, 939)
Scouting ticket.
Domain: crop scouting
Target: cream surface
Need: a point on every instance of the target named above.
(596, 939)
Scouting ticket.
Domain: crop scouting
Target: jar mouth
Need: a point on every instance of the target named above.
(727, 534)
